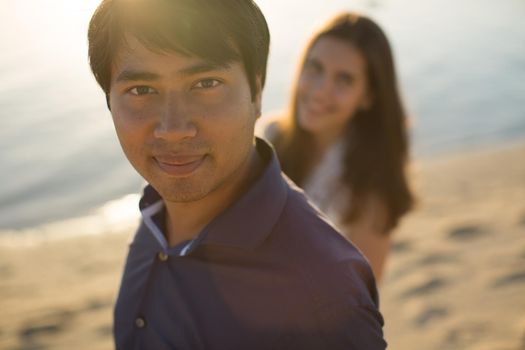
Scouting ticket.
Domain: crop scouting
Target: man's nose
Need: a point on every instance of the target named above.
(175, 120)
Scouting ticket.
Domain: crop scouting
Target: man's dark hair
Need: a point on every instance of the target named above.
(218, 31)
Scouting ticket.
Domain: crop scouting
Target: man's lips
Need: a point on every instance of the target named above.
(179, 165)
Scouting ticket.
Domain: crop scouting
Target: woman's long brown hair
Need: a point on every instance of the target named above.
(376, 140)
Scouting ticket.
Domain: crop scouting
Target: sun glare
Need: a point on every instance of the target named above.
(51, 19)
(53, 32)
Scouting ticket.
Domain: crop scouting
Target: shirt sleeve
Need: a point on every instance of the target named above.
(348, 309)
(352, 327)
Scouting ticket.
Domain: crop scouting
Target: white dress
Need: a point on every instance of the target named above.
(325, 188)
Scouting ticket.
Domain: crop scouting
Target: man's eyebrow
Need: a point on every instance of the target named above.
(133, 75)
(202, 68)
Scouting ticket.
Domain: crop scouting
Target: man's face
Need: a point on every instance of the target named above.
(184, 124)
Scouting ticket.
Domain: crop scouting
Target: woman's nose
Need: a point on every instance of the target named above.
(321, 85)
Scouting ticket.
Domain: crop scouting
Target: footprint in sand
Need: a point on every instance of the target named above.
(430, 314)
(6, 271)
(522, 220)
(510, 279)
(36, 330)
(105, 331)
(98, 304)
(466, 232)
(424, 288)
(430, 259)
(401, 246)
(463, 335)
(437, 258)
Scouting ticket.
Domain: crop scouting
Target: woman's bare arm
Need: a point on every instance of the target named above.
(369, 235)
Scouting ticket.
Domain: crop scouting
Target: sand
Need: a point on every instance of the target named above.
(455, 278)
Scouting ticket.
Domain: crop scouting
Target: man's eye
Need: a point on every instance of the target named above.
(207, 84)
(142, 90)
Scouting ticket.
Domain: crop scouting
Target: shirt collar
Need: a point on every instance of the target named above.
(248, 221)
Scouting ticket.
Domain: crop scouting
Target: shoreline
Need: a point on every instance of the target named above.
(118, 212)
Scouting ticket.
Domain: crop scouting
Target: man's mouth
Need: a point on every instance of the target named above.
(179, 165)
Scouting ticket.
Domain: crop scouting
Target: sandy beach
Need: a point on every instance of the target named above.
(455, 279)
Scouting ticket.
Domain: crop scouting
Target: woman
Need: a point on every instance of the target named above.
(344, 138)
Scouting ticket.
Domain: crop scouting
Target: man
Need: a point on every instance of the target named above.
(229, 254)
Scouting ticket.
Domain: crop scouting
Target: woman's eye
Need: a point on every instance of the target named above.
(207, 83)
(345, 79)
(313, 67)
(142, 90)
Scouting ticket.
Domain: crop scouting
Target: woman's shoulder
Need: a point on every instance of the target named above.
(270, 127)
(374, 213)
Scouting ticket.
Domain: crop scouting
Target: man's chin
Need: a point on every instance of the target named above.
(181, 192)
(175, 196)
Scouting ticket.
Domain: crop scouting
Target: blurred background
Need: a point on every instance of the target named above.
(456, 278)
(461, 69)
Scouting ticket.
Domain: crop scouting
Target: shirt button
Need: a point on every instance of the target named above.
(140, 322)
(162, 256)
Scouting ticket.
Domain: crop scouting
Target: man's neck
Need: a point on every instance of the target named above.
(184, 221)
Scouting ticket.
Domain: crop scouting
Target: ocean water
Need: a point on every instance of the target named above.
(461, 67)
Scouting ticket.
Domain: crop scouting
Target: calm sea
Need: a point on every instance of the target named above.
(461, 66)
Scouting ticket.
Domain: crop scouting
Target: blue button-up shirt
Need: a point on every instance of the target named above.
(267, 273)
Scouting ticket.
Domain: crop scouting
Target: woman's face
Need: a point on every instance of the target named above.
(333, 85)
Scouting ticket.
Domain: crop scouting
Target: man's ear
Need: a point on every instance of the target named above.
(257, 98)
(107, 102)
